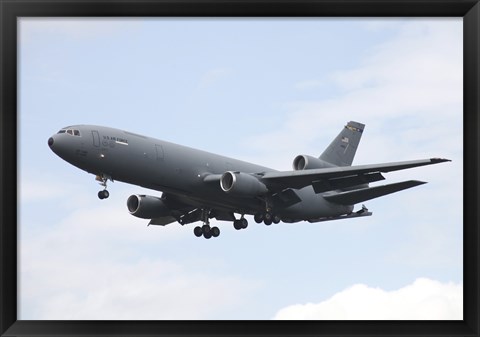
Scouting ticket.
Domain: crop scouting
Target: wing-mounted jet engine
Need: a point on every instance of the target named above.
(242, 184)
(147, 207)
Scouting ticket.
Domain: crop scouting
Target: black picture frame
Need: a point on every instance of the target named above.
(11, 10)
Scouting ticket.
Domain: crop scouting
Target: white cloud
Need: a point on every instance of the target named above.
(99, 262)
(417, 75)
(148, 289)
(42, 186)
(425, 299)
(36, 191)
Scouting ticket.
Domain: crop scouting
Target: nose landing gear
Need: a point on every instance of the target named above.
(102, 180)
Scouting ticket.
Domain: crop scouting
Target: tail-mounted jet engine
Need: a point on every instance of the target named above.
(147, 207)
(304, 162)
(242, 184)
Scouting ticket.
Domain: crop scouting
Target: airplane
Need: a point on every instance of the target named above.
(198, 185)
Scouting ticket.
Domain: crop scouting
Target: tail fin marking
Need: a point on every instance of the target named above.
(342, 149)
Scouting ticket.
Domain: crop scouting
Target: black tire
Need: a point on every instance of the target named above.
(244, 223)
(258, 217)
(106, 194)
(268, 222)
(276, 219)
(237, 224)
(206, 229)
(267, 216)
(198, 231)
(100, 195)
(215, 232)
(207, 235)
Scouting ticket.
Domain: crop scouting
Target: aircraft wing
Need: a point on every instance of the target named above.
(326, 179)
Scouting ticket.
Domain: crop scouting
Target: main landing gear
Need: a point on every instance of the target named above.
(268, 217)
(241, 223)
(206, 231)
(102, 180)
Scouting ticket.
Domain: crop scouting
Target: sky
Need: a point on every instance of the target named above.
(260, 90)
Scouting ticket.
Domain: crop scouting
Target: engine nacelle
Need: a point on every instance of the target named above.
(304, 162)
(242, 184)
(147, 207)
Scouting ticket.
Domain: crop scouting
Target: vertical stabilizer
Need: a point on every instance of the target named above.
(341, 151)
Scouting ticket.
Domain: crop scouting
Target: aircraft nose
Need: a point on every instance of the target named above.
(50, 141)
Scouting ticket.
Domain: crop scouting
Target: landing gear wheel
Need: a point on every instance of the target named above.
(103, 194)
(268, 222)
(215, 232)
(207, 235)
(198, 231)
(206, 231)
(276, 219)
(240, 224)
(237, 224)
(258, 217)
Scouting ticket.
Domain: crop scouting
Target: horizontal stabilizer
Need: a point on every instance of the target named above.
(356, 196)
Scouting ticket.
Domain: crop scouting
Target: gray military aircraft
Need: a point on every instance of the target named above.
(199, 185)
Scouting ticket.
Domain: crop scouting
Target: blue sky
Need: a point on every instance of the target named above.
(263, 91)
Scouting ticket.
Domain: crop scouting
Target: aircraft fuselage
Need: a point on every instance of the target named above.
(175, 169)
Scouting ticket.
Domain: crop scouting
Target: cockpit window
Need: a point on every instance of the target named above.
(72, 132)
